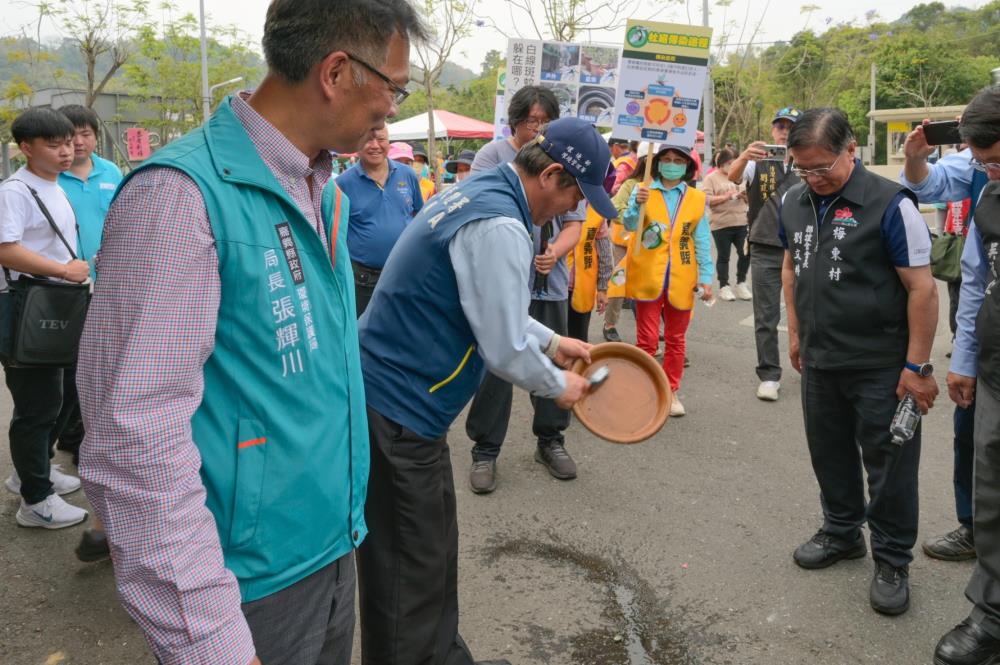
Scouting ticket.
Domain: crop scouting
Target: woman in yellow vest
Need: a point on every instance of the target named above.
(669, 255)
(589, 265)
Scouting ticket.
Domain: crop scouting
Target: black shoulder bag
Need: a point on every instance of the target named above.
(41, 320)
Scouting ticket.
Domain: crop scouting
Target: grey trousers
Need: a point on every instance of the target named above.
(984, 587)
(765, 267)
(308, 623)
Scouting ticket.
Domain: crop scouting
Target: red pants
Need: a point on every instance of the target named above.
(675, 325)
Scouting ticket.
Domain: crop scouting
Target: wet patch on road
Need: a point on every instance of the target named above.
(643, 629)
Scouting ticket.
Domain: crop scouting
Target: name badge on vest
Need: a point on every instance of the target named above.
(291, 311)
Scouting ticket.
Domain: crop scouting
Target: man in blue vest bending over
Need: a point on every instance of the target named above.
(451, 303)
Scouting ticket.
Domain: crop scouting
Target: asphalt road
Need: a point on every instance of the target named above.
(674, 551)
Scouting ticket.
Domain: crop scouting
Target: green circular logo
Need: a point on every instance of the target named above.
(502, 79)
(637, 37)
(618, 277)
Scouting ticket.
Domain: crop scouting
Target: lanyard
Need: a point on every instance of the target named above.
(335, 226)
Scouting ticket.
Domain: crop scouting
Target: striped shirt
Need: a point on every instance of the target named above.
(150, 329)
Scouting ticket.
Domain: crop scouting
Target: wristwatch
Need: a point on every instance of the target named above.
(923, 369)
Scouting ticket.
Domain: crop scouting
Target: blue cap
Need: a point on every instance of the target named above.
(787, 113)
(580, 148)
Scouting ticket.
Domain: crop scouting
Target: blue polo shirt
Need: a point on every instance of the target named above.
(91, 199)
(379, 214)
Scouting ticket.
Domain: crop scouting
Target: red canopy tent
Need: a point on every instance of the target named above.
(447, 125)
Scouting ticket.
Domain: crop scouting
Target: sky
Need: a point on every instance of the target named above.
(781, 19)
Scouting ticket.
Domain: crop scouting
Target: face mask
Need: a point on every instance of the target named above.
(673, 171)
(425, 172)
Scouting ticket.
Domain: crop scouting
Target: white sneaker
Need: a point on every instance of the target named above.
(726, 293)
(676, 408)
(62, 483)
(53, 513)
(768, 391)
(742, 292)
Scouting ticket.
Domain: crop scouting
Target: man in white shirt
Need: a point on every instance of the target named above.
(29, 245)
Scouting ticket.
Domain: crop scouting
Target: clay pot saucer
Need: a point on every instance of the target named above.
(633, 403)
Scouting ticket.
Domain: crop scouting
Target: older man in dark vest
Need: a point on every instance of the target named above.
(862, 313)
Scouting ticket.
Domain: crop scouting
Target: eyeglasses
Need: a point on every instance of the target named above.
(805, 173)
(984, 166)
(399, 93)
(533, 123)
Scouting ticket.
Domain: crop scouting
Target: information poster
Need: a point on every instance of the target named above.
(582, 77)
(661, 82)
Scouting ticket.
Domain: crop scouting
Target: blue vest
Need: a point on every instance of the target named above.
(281, 428)
(418, 352)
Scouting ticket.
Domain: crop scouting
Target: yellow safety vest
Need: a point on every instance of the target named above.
(619, 235)
(426, 188)
(660, 245)
(583, 259)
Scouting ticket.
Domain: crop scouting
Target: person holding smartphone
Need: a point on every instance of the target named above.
(767, 178)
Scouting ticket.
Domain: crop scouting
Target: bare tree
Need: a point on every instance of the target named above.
(739, 89)
(566, 20)
(450, 22)
(103, 32)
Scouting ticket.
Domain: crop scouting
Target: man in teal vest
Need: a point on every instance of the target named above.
(222, 392)
(451, 303)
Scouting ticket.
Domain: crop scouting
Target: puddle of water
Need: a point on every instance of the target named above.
(642, 632)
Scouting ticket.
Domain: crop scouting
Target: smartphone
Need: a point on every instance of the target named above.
(775, 152)
(942, 133)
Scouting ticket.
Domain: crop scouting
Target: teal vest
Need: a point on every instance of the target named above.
(281, 428)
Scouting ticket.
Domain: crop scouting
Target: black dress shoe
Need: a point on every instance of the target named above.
(93, 546)
(611, 334)
(967, 644)
(957, 545)
(890, 589)
(824, 550)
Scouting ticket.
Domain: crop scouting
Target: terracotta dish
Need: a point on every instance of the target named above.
(633, 403)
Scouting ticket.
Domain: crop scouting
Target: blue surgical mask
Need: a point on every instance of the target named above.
(670, 171)
(425, 172)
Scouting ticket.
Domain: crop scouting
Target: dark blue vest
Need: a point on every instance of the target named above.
(418, 353)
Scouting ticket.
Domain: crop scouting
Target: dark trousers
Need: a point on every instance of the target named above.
(984, 587)
(38, 397)
(70, 433)
(489, 414)
(965, 454)
(847, 415)
(954, 290)
(725, 240)
(310, 622)
(765, 263)
(408, 564)
(577, 324)
(365, 279)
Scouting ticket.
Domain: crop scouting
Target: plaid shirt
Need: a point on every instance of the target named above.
(150, 329)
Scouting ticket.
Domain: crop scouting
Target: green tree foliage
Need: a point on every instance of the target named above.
(931, 56)
(165, 75)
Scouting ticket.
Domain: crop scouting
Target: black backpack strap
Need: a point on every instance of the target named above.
(48, 216)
